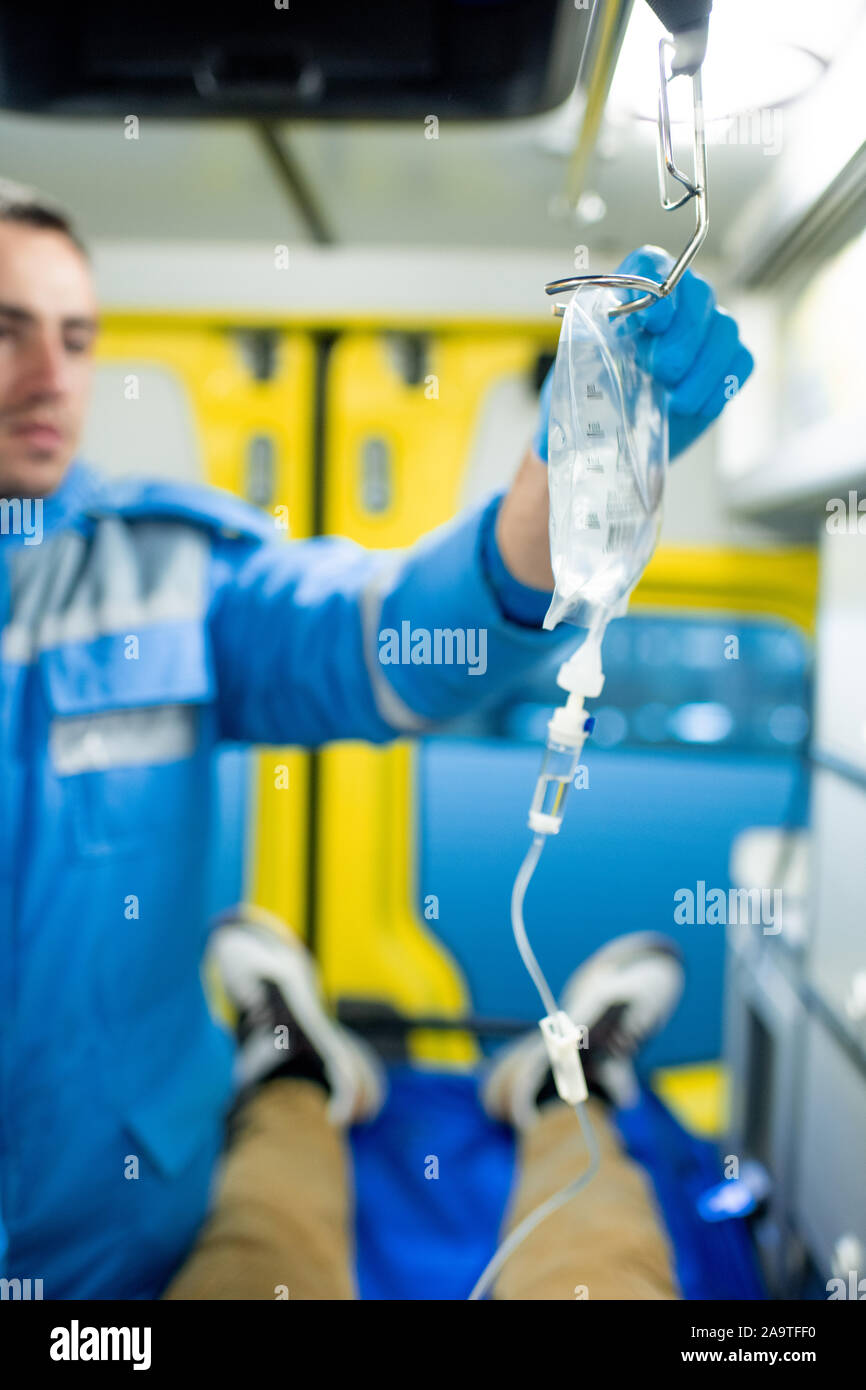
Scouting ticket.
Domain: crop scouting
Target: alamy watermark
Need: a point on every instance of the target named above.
(439, 646)
(854, 1287)
(760, 126)
(713, 907)
(846, 517)
(77, 1343)
(22, 1290)
(22, 516)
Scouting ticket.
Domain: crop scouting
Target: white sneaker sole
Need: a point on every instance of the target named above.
(251, 946)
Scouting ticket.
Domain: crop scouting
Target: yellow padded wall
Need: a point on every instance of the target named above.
(777, 583)
(371, 938)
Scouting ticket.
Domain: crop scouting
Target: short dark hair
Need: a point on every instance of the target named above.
(29, 209)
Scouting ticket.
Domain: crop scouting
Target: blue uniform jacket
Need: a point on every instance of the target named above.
(151, 624)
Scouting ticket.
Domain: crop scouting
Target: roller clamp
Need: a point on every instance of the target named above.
(562, 1040)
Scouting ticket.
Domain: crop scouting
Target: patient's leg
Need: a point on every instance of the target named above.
(282, 1220)
(607, 1241)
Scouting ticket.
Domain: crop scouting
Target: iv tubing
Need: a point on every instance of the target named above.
(565, 1194)
(518, 893)
(545, 1209)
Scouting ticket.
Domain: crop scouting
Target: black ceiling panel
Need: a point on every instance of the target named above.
(464, 59)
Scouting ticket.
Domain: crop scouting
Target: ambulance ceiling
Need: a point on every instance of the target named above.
(338, 148)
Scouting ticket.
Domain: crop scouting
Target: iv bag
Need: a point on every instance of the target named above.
(607, 458)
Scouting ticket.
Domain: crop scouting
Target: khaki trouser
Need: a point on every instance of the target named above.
(282, 1223)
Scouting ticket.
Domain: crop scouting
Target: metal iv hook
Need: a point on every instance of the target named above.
(695, 187)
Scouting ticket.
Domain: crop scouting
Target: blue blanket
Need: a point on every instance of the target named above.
(433, 1175)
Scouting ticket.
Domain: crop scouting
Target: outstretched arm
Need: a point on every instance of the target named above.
(321, 639)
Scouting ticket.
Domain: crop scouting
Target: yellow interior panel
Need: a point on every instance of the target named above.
(775, 584)
(697, 1095)
(371, 942)
(428, 428)
(371, 937)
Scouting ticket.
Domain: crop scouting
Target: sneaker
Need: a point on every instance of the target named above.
(622, 995)
(281, 1023)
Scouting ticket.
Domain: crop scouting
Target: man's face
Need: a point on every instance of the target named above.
(47, 330)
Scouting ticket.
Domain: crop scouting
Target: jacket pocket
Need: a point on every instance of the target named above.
(173, 1105)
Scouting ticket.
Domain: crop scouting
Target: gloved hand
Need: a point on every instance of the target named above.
(687, 343)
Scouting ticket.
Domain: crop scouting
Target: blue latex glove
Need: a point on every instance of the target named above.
(687, 343)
